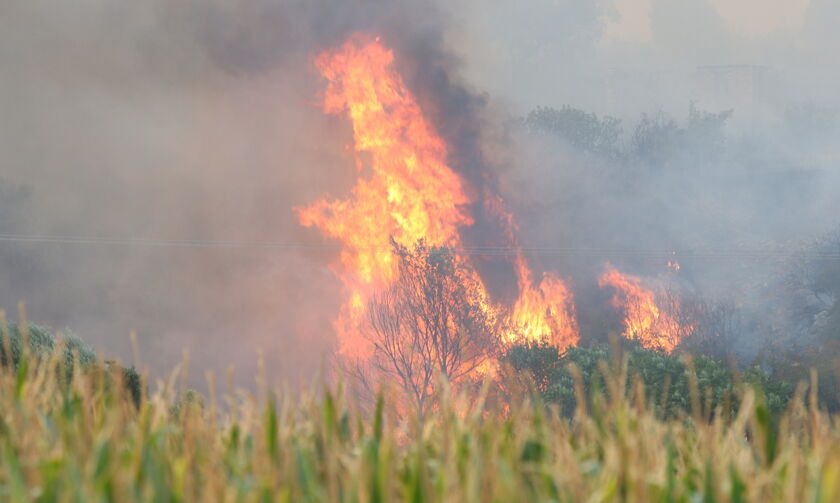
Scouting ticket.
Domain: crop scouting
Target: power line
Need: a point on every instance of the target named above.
(160, 243)
(463, 250)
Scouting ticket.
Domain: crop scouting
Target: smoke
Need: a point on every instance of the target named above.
(200, 120)
(740, 199)
(184, 121)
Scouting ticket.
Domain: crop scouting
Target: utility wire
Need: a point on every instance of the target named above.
(463, 250)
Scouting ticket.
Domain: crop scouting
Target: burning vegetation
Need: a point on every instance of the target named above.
(650, 322)
(414, 302)
(405, 192)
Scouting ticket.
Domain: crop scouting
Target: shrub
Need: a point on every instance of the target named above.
(42, 344)
(666, 378)
(583, 130)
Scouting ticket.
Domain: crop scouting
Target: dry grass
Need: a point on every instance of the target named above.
(85, 441)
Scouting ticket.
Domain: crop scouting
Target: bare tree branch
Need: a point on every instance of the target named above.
(429, 323)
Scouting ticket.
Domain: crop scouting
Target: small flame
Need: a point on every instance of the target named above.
(545, 314)
(644, 319)
(542, 314)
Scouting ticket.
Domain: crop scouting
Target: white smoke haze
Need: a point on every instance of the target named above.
(202, 121)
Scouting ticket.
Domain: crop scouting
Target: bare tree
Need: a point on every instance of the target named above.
(432, 321)
(717, 325)
(813, 284)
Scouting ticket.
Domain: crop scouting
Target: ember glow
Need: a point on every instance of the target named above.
(644, 319)
(407, 192)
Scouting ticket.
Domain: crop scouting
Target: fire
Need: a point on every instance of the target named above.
(544, 313)
(406, 192)
(644, 319)
(410, 194)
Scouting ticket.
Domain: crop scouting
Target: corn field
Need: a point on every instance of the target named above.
(82, 439)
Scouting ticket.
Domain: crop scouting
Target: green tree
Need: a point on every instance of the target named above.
(811, 291)
(583, 130)
(658, 139)
(666, 378)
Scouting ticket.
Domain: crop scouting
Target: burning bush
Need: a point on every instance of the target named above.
(424, 310)
(432, 322)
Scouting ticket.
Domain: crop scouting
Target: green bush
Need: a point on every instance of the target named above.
(666, 378)
(584, 130)
(42, 344)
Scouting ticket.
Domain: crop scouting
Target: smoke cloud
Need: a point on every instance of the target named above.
(201, 120)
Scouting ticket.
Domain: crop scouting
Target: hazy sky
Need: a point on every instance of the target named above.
(748, 17)
(624, 57)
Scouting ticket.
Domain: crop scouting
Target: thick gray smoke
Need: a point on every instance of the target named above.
(200, 120)
(739, 197)
(182, 121)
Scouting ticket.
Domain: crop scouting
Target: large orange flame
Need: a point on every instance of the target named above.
(410, 194)
(406, 192)
(644, 319)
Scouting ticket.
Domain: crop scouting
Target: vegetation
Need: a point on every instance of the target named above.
(658, 140)
(428, 323)
(42, 343)
(593, 423)
(667, 379)
(809, 337)
(655, 139)
(582, 129)
(20, 343)
(87, 442)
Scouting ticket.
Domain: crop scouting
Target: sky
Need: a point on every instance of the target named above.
(537, 52)
(749, 17)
